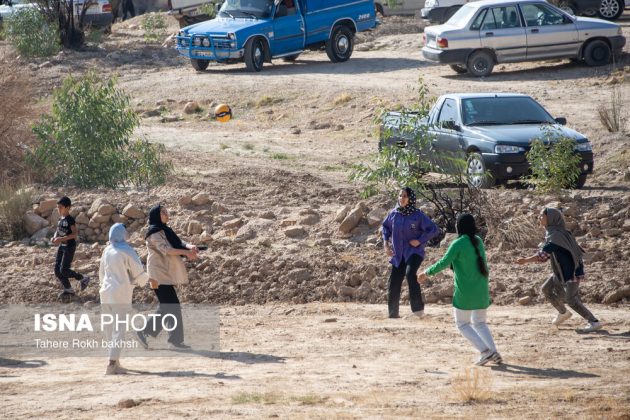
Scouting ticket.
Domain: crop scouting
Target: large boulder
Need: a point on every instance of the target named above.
(54, 217)
(46, 207)
(33, 223)
(353, 218)
(133, 212)
(96, 204)
(200, 199)
(106, 210)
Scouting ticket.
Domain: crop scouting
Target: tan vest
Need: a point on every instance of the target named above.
(164, 268)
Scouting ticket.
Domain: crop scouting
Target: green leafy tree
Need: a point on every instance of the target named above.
(85, 141)
(554, 163)
(31, 34)
(154, 27)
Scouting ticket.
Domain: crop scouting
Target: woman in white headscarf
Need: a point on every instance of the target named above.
(120, 271)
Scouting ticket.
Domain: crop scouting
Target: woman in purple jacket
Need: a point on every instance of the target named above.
(406, 230)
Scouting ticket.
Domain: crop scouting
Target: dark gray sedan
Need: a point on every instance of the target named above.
(493, 131)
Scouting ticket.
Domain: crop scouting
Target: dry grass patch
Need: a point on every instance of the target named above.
(344, 98)
(268, 100)
(14, 202)
(256, 398)
(613, 114)
(473, 385)
(310, 399)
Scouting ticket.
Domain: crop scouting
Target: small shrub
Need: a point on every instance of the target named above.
(223, 146)
(208, 9)
(255, 398)
(472, 385)
(86, 139)
(248, 146)
(95, 36)
(29, 32)
(268, 100)
(154, 27)
(14, 203)
(553, 163)
(342, 99)
(280, 156)
(612, 115)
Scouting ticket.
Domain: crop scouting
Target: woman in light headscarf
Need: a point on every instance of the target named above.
(406, 230)
(565, 255)
(120, 271)
(166, 270)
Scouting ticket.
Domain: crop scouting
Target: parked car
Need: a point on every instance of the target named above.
(484, 33)
(401, 7)
(98, 12)
(257, 31)
(439, 11)
(492, 131)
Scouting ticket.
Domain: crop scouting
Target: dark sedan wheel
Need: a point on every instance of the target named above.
(199, 65)
(597, 53)
(254, 54)
(459, 68)
(610, 9)
(480, 63)
(478, 174)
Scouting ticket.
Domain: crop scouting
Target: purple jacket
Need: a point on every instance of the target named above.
(402, 229)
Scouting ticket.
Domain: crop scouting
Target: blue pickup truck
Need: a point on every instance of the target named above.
(256, 31)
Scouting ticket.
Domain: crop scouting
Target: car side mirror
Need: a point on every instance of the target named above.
(451, 125)
(561, 120)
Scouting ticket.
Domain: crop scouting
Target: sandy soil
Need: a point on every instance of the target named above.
(346, 361)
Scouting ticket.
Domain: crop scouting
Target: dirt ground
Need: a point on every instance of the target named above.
(297, 130)
(346, 361)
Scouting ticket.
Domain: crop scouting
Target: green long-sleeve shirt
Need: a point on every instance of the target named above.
(471, 287)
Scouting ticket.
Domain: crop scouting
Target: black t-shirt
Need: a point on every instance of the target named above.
(566, 268)
(64, 228)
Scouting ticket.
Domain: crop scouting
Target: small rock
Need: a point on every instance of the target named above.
(295, 232)
(45, 64)
(353, 218)
(185, 200)
(309, 219)
(244, 234)
(267, 215)
(119, 218)
(96, 204)
(200, 199)
(233, 224)
(525, 300)
(617, 295)
(106, 210)
(342, 213)
(194, 227)
(296, 131)
(331, 320)
(152, 113)
(40, 234)
(347, 291)
(127, 403)
(192, 107)
(46, 207)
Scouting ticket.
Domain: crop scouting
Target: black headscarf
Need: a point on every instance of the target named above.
(410, 208)
(156, 225)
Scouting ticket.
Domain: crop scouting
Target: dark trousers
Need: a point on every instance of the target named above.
(407, 269)
(65, 254)
(169, 304)
(128, 9)
(558, 293)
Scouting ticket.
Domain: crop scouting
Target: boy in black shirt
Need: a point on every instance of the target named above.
(66, 237)
(565, 255)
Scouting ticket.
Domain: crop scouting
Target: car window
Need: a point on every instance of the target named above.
(541, 15)
(501, 18)
(478, 20)
(448, 111)
(503, 110)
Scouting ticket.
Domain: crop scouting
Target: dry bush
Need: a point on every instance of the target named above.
(14, 202)
(473, 385)
(15, 119)
(344, 98)
(612, 115)
(503, 227)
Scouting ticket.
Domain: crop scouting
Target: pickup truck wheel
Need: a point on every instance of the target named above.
(199, 65)
(480, 63)
(610, 9)
(290, 58)
(340, 45)
(597, 53)
(254, 54)
(459, 68)
(478, 174)
(579, 184)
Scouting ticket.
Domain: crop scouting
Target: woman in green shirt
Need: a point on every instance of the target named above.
(467, 257)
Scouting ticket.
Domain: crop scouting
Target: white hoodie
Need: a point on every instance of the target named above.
(119, 273)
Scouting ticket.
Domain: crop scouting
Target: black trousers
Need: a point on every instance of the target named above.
(65, 255)
(128, 9)
(407, 269)
(169, 304)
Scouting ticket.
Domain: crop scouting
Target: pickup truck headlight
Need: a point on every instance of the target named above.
(206, 42)
(504, 148)
(584, 147)
(232, 35)
(197, 41)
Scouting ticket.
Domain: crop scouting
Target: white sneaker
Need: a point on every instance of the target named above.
(115, 370)
(415, 315)
(485, 357)
(590, 327)
(560, 318)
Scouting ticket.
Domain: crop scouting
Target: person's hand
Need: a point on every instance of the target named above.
(194, 248)
(388, 250)
(153, 284)
(422, 278)
(521, 261)
(414, 243)
(191, 255)
(56, 241)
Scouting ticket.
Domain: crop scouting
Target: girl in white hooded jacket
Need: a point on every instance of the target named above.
(120, 271)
